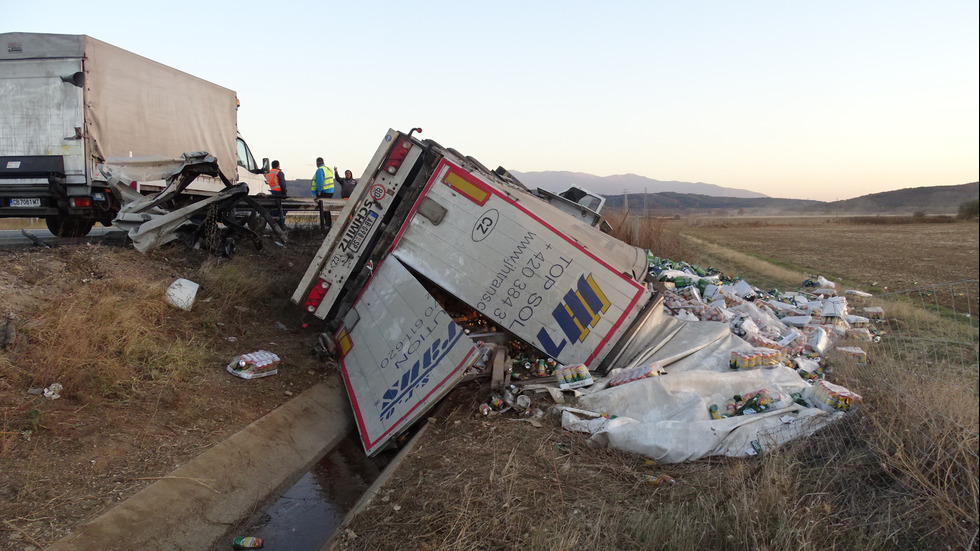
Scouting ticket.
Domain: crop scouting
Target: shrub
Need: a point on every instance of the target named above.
(969, 210)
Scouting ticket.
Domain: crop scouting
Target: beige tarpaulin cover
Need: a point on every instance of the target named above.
(138, 107)
(134, 106)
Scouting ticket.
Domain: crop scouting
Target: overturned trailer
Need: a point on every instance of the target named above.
(427, 222)
(425, 215)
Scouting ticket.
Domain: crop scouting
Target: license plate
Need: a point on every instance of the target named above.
(25, 203)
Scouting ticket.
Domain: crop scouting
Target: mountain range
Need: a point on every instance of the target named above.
(669, 197)
(556, 181)
(929, 200)
(639, 193)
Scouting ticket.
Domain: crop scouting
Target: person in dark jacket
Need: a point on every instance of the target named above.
(347, 183)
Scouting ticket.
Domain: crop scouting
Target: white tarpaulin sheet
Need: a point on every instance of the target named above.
(667, 418)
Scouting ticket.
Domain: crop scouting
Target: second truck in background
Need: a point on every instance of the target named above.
(71, 102)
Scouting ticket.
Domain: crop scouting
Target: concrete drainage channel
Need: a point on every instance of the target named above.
(306, 515)
(284, 474)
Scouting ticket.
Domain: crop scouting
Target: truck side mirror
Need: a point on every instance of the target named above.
(265, 164)
(77, 79)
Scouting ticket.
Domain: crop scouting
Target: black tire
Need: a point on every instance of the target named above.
(257, 222)
(69, 226)
(77, 227)
(54, 225)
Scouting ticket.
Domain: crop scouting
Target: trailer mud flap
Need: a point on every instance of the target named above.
(399, 353)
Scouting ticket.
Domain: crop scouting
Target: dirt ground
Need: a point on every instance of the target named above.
(878, 258)
(67, 460)
(488, 482)
(889, 256)
(63, 462)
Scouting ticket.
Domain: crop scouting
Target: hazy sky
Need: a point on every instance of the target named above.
(816, 100)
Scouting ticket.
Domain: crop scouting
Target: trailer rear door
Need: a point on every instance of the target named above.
(399, 353)
(41, 113)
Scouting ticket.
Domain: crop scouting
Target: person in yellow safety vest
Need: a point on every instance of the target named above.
(276, 180)
(322, 184)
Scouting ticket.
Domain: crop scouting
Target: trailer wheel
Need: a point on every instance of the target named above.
(69, 226)
(256, 222)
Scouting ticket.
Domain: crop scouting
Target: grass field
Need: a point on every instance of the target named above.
(145, 390)
(21, 223)
(877, 258)
(899, 256)
(900, 473)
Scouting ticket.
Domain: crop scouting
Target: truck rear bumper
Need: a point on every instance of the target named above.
(27, 201)
(28, 185)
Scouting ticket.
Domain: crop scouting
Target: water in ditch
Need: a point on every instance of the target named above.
(307, 514)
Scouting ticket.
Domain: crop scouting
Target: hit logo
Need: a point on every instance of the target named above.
(581, 311)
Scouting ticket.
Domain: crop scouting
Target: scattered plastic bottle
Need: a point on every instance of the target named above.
(247, 542)
(662, 480)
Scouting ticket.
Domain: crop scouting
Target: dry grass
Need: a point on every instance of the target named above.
(21, 223)
(145, 387)
(872, 258)
(749, 267)
(649, 233)
(900, 473)
(109, 331)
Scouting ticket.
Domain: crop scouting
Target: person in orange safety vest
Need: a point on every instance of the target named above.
(276, 180)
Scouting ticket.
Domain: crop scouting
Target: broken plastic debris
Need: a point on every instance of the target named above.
(856, 293)
(623, 376)
(247, 542)
(854, 352)
(260, 363)
(181, 293)
(52, 392)
(662, 480)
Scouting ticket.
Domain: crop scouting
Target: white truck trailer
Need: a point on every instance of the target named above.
(426, 220)
(71, 102)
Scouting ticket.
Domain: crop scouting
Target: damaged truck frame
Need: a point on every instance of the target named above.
(429, 222)
(69, 103)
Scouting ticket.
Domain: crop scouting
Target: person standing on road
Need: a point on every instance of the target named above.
(276, 180)
(347, 183)
(322, 184)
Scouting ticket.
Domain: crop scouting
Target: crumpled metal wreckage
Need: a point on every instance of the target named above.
(213, 223)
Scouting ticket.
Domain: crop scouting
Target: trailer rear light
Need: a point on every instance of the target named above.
(316, 295)
(80, 202)
(397, 155)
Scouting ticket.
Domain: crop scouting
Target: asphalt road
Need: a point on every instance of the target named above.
(17, 238)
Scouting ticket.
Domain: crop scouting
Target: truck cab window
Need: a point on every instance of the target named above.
(245, 158)
(590, 202)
